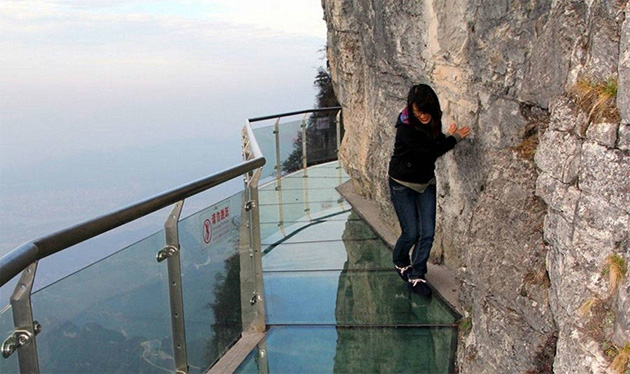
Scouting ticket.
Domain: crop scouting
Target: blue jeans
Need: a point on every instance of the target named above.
(416, 215)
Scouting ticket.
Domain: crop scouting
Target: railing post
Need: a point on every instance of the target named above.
(259, 323)
(304, 157)
(263, 361)
(338, 125)
(276, 131)
(175, 291)
(250, 248)
(307, 208)
(23, 338)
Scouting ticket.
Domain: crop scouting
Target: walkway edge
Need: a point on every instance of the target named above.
(440, 277)
(233, 358)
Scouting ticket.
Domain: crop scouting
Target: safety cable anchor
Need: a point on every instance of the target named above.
(18, 339)
(256, 298)
(251, 204)
(166, 252)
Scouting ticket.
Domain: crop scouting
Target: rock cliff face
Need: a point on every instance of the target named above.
(530, 240)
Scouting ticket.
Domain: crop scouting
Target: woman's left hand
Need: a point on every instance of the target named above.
(452, 128)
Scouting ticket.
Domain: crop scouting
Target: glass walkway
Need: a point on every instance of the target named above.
(287, 256)
(333, 302)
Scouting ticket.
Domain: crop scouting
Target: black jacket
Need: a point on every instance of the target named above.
(415, 152)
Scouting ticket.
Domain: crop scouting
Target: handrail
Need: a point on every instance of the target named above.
(21, 257)
(18, 259)
(25, 257)
(256, 119)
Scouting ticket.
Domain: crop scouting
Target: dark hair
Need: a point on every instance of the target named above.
(427, 101)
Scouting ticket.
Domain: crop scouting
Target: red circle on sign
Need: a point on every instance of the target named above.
(207, 231)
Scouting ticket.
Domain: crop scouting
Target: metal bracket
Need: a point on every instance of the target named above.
(256, 298)
(251, 204)
(166, 252)
(172, 235)
(18, 339)
(23, 339)
(170, 226)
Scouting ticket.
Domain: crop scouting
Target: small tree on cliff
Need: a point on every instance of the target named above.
(325, 97)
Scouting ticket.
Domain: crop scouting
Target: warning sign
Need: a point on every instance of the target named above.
(216, 226)
(207, 231)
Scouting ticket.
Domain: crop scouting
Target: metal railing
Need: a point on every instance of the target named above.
(301, 148)
(24, 259)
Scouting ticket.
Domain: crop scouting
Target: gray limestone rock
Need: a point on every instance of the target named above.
(603, 133)
(579, 242)
(602, 220)
(623, 86)
(558, 196)
(506, 279)
(622, 322)
(606, 173)
(602, 57)
(559, 155)
(561, 38)
(566, 117)
(557, 230)
(623, 139)
(496, 135)
(487, 61)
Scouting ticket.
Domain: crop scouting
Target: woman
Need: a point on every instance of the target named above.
(419, 143)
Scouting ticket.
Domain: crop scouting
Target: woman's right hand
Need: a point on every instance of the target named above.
(463, 131)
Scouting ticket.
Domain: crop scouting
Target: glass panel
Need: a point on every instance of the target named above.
(301, 210)
(291, 146)
(211, 280)
(321, 138)
(297, 190)
(290, 139)
(327, 256)
(332, 169)
(307, 256)
(266, 141)
(8, 365)
(328, 170)
(328, 246)
(354, 350)
(317, 199)
(252, 364)
(303, 199)
(270, 228)
(324, 230)
(348, 298)
(113, 316)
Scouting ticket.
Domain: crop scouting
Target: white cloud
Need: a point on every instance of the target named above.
(42, 44)
(89, 69)
(290, 16)
(293, 17)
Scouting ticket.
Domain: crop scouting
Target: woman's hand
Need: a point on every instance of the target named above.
(462, 131)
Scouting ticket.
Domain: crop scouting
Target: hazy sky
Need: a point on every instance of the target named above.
(105, 102)
(101, 74)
